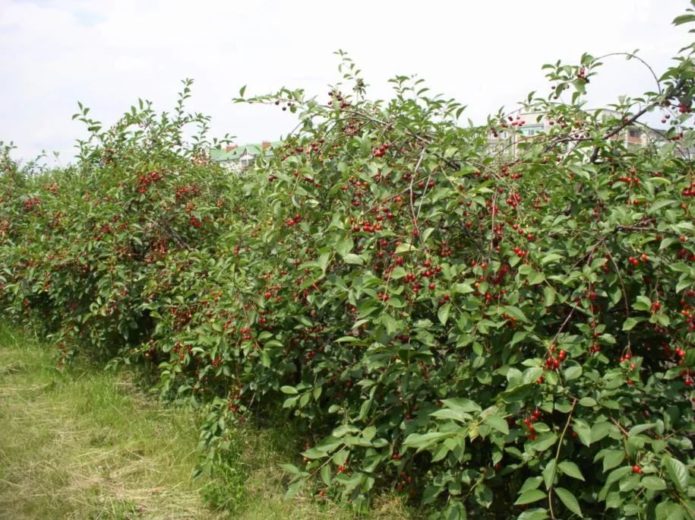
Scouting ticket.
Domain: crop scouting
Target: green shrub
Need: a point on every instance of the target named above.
(493, 334)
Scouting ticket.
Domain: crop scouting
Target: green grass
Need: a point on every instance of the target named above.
(83, 443)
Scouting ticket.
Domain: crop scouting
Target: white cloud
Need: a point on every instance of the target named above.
(108, 53)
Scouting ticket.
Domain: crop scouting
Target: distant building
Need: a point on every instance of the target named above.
(525, 126)
(237, 158)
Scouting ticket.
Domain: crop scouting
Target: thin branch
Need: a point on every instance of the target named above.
(410, 189)
(672, 91)
(557, 457)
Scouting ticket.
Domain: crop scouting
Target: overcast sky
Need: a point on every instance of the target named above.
(107, 53)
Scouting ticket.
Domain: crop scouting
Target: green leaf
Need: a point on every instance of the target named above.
(642, 303)
(354, 259)
(683, 19)
(569, 500)
(326, 474)
(405, 248)
(573, 372)
(636, 430)
(588, 402)
(544, 441)
(549, 474)
(530, 483)
(551, 258)
(453, 415)
(519, 335)
(677, 472)
(549, 295)
(291, 469)
(314, 453)
(323, 260)
(421, 441)
(514, 312)
(570, 469)
(463, 288)
(600, 430)
(443, 313)
(536, 277)
(537, 513)
(670, 511)
(498, 423)
(348, 339)
(533, 495)
(612, 458)
(369, 432)
(344, 246)
(461, 404)
(653, 483)
(583, 431)
(295, 488)
(289, 390)
(630, 323)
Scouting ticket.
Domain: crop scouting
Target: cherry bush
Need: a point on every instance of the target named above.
(491, 332)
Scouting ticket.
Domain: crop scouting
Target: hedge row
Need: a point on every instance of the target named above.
(489, 334)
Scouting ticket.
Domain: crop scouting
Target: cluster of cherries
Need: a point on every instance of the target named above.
(145, 180)
(427, 271)
(513, 199)
(290, 222)
(195, 221)
(635, 261)
(246, 333)
(553, 362)
(337, 100)
(367, 227)
(629, 180)
(182, 350)
(521, 253)
(184, 192)
(528, 422)
(380, 151)
(31, 203)
(518, 122)
(529, 236)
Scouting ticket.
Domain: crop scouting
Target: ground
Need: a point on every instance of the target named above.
(81, 442)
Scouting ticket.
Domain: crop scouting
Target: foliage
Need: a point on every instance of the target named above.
(482, 332)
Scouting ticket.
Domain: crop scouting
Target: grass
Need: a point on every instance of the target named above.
(83, 443)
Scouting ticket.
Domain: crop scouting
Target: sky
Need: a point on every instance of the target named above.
(486, 54)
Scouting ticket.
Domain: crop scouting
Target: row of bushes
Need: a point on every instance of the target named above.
(489, 334)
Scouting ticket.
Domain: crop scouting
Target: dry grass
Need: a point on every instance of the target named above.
(81, 443)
